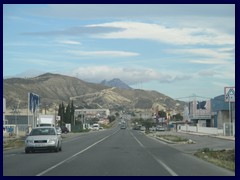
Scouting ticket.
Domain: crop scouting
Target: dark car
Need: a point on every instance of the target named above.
(64, 129)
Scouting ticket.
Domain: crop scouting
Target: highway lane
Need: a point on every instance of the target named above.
(16, 162)
(115, 152)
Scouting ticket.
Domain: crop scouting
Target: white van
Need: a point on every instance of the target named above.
(95, 127)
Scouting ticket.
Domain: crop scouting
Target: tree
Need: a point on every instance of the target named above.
(117, 114)
(111, 118)
(133, 114)
(72, 110)
(67, 114)
(138, 121)
(148, 123)
(162, 113)
(178, 117)
(61, 112)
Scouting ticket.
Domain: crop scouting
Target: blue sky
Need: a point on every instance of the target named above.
(178, 50)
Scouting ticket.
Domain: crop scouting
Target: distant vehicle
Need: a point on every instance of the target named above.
(64, 129)
(160, 128)
(152, 129)
(59, 130)
(46, 120)
(95, 127)
(137, 127)
(123, 126)
(143, 128)
(43, 138)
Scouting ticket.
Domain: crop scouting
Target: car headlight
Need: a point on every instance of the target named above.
(52, 140)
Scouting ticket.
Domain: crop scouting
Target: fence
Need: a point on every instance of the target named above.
(18, 130)
(199, 129)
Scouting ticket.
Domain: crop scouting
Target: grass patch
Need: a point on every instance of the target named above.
(13, 143)
(173, 138)
(222, 158)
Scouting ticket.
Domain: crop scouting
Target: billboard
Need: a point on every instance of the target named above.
(200, 108)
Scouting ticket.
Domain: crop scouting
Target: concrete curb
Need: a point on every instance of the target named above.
(169, 142)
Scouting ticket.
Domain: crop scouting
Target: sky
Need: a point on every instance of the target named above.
(179, 50)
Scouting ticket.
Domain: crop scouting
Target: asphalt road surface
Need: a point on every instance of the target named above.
(112, 152)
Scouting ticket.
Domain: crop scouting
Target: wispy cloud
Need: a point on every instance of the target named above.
(208, 61)
(22, 44)
(84, 30)
(69, 42)
(173, 35)
(130, 75)
(219, 72)
(208, 73)
(218, 53)
(221, 85)
(103, 53)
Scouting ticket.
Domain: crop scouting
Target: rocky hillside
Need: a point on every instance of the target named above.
(116, 83)
(54, 89)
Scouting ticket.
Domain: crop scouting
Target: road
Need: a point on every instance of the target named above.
(112, 152)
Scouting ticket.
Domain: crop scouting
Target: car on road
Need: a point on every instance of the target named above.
(160, 128)
(137, 127)
(64, 129)
(43, 138)
(123, 126)
(95, 127)
(59, 130)
(142, 128)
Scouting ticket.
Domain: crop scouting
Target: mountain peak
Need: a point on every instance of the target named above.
(116, 82)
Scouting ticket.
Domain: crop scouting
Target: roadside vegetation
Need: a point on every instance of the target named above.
(223, 158)
(13, 143)
(176, 139)
(173, 138)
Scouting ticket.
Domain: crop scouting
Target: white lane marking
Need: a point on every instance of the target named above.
(158, 160)
(66, 160)
(137, 140)
(165, 166)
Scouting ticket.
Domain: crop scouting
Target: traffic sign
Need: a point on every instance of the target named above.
(58, 118)
(229, 93)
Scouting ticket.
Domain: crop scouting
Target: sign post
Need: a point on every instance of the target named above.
(229, 93)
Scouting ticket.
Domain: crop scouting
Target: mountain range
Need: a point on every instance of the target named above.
(54, 89)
